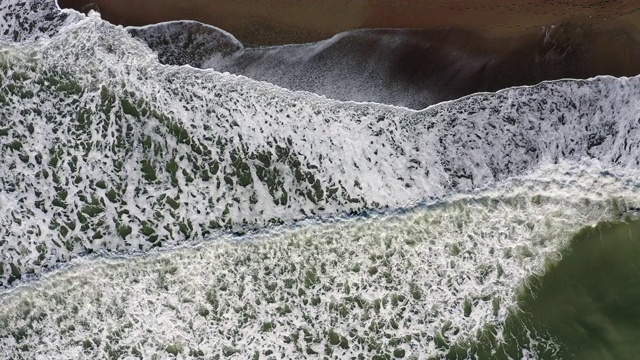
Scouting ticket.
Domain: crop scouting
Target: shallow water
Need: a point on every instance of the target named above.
(404, 67)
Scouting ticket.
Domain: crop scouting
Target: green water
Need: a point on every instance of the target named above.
(587, 306)
(590, 301)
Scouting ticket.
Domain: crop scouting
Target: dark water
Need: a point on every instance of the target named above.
(411, 68)
(589, 301)
(585, 306)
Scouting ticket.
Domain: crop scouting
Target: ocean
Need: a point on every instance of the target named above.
(161, 211)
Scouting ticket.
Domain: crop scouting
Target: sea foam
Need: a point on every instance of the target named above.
(121, 153)
(417, 283)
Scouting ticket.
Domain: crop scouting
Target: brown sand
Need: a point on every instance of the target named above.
(265, 22)
(469, 45)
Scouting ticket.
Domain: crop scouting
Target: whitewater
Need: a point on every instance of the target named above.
(155, 210)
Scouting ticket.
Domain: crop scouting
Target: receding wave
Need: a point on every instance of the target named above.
(187, 42)
(410, 68)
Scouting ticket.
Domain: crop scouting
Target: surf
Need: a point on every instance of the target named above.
(143, 183)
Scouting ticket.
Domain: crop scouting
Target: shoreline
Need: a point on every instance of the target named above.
(403, 67)
(277, 22)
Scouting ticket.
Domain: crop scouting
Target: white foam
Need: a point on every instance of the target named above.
(358, 287)
(327, 158)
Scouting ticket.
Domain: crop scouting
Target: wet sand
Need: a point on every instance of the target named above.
(269, 22)
(406, 67)
(426, 51)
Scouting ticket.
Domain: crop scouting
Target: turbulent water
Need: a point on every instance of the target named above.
(149, 210)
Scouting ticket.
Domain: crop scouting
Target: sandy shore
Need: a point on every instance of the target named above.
(267, 22)
(451, 48)
(414, 68)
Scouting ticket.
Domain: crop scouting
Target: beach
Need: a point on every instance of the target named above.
(406, 53)
(262, 22)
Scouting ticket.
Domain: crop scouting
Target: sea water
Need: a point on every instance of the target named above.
(165, 211)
